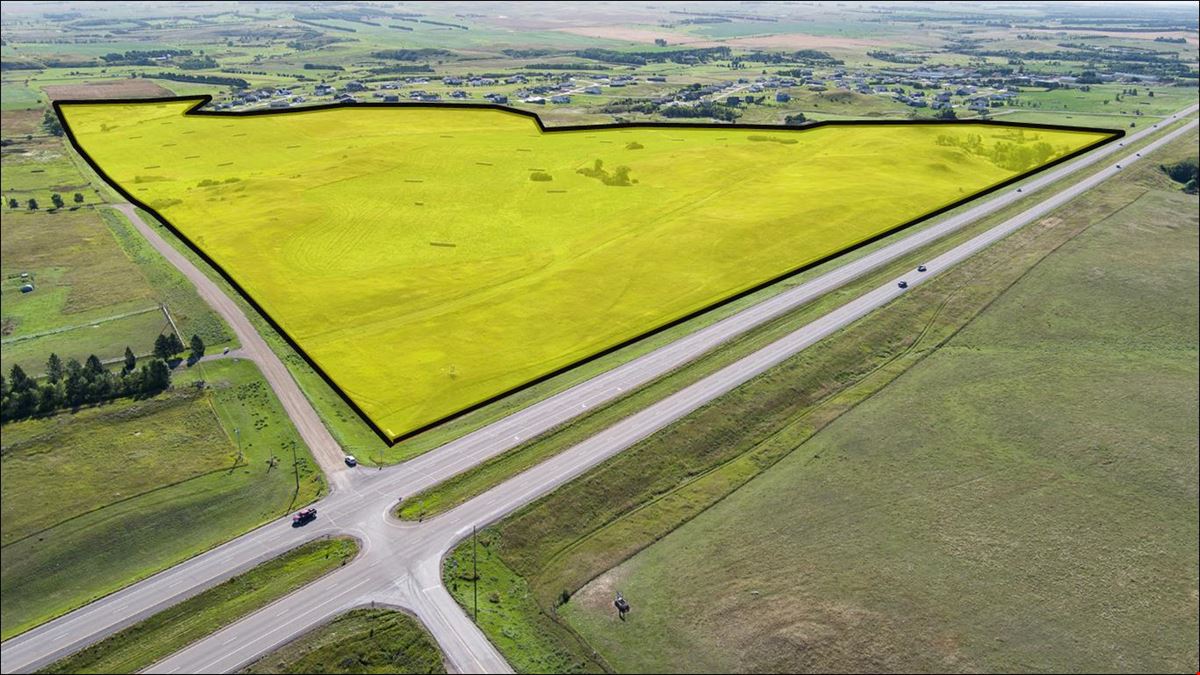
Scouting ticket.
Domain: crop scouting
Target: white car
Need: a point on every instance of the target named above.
(351, 461)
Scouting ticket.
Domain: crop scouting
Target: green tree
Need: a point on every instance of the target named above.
(130, 362)
(54, 368)
(197, 347)
(57, 200)
(18, 381)
(32, 203)
(175, 343)
(162, 347)
(92, 367)
(155, 376)
(78, 198)
(13, 203)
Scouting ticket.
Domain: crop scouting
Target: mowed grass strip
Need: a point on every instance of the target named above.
(642, 495)
(181, 508)
(359, 641)
(172, 629)
(461, 294)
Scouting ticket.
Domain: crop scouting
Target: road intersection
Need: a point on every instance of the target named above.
(399, 563)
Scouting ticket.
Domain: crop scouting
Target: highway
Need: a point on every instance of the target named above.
(399, 563)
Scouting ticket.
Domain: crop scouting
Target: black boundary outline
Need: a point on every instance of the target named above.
(204, 99)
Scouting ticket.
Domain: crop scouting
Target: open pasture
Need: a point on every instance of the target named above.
(428, 259)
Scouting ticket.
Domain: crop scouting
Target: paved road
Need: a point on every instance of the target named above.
(325, 449)
(400, 563)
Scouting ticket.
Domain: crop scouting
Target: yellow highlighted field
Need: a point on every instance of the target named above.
(428, 259)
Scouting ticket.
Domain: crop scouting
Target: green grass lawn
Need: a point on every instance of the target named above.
(646, 492)
(57, 468)
(172, 629)
(106, 339)
(360, 641)
(85, 266)
(1024, 497)
(72, 560)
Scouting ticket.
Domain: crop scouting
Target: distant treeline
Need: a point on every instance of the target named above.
(813, 56)
(436, 23)
(321, 66)
(344, 29)
(139, 57)
(409, 54)
(565, 66)
(235, 82)
(397, 70)
(892, 57)
(699, 55)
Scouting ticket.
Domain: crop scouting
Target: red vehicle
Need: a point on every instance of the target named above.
(304, 516)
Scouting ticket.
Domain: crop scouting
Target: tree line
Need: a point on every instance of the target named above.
(56, 200)
(71, 384)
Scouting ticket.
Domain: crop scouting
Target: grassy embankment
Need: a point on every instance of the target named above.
(97, 499)
(359, 641)
(172, 629)
(645, 493)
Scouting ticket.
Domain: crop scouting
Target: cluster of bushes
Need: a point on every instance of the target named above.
(723, 113)
(72, 384)
(1016, 156)
(1185, 172)
(56, 200)
(619, 177)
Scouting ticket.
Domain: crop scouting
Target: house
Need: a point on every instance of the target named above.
(536, 100)
(391, 98)
(733, 100)
(279, 104)
(561, 98)
(782, 97)
(459, 93)
(592, 90)
(355, 85)
(497, 98)
(323, 90)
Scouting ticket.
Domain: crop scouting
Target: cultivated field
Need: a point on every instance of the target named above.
(420, 298)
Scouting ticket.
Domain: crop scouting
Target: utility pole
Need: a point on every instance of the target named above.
(237, 433)
(475, 573)
(296, 466)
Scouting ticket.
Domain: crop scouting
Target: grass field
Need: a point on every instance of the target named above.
(172, 629)
(87, 267)
(990, 509)
(104, 497)
(467, 294)
(643, 494)
(360, 641)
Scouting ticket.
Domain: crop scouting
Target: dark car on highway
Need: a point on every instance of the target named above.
(303, 516)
